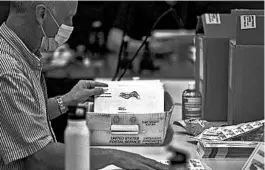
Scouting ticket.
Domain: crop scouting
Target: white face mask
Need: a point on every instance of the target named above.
(63, 34)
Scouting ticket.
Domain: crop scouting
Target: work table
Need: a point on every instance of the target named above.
(180, 140)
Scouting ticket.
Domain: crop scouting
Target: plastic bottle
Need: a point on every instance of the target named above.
(191, 103)
(125, 54)
(96, 41)
(96, 37)
(147, 62)
(125, 51)
(77, 143)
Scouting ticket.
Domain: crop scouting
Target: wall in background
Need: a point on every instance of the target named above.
(4, 10)
(89, 11)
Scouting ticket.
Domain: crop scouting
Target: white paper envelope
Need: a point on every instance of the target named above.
(130, 99)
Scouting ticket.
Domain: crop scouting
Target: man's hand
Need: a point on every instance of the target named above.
(83, 91)
(129, 161)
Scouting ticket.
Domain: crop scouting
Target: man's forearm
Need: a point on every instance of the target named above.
(52, 157)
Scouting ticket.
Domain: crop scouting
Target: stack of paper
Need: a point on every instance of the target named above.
(255, 135)
(256, 160)
(229, 132)
(226, 149)
(141, 96)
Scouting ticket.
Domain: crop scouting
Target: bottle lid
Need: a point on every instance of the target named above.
(76, 112)
(136, 78)
(191, 85)
(96, 24)
(126, 38)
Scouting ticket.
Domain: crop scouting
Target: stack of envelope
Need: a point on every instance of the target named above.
(141, 96)
(229, 132)
(226, 149)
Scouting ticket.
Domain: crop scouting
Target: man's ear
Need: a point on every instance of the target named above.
(41, 13)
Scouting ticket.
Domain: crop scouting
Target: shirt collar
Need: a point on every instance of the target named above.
(34, 60)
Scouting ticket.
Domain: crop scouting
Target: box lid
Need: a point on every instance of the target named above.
(247, 12)
(215, 25)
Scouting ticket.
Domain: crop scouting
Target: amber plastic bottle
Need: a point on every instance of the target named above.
(191, 103)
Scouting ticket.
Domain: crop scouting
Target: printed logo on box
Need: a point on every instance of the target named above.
(248, 21)
(212, 19)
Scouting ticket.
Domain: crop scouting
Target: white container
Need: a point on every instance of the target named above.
(123, 129)
(77, 141)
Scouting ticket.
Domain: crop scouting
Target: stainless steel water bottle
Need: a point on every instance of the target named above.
(77, 140)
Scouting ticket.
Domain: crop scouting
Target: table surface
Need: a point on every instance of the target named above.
(159, 153)
(179, 141)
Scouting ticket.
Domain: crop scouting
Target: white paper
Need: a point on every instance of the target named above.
(113, 167)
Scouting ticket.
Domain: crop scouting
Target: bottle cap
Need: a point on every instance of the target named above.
(191, 85)
(76, 112)
(126, 38)
(96, 24)
(136, 78)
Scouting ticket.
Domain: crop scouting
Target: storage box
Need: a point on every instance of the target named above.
(246, 83)
(236, 32)
(250, 30)
(130, 129)
(246, 71)
(212, 52)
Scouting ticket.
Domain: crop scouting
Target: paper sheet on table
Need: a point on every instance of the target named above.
(113, 167)
(131, 97)
(193, 164)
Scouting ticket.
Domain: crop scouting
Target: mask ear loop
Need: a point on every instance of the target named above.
(53, 18)
(43, 30)
(45, 36)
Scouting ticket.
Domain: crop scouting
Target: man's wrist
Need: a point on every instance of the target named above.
(62, 104)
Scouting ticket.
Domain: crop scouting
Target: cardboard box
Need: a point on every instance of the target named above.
(130, 129)
(246, 70)
(212, 52)
(250, 30)
(237, 33)
(246, 83)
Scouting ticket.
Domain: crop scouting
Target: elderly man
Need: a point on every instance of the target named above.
(27, 140)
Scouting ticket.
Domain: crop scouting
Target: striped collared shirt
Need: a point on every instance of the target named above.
(24, 124)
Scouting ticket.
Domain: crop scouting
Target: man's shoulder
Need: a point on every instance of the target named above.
(8, 62)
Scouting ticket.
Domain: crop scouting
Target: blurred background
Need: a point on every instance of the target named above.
(88, 48)
(93, 51)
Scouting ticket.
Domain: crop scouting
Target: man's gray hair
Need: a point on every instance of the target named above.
(23, 7)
